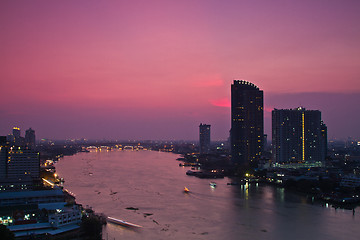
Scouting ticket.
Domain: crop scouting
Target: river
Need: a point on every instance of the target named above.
(153, 182)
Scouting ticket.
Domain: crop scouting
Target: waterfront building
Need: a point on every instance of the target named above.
(29, 219)
(31, 197)
(204, 132)
(247, 123)
(61, 215)
(19, 168)
(21, 162)
(30, 138)
(350, 181)
(298, 136)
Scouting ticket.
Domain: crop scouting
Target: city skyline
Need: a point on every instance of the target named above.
(140, 70)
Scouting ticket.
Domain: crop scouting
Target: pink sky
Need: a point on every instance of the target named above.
(157, 69)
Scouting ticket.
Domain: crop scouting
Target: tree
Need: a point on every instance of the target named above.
(5, 233)
(91, 228)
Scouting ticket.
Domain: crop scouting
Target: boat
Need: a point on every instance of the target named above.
(186, 190)
(123, 223)
(213, 184)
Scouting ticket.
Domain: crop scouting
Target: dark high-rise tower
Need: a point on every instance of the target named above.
(204, 132)
(324, 144)
(30, 138)
(247, 123)
(17, 137)
(16, 132)
(298, 136)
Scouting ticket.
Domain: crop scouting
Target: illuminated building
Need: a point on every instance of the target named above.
(30, 138)
(16, 132)
(20, 168)
(247, 123)
(298, 136)
(15, 138)
(21, 162)
(204, 132)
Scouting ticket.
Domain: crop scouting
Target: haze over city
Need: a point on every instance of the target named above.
(156, 70)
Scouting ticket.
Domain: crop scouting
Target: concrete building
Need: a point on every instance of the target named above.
(3, 162)
(204, 135)
(18, 140)
(247, 123)
(31, 197)
(298, 136)
(324, 139)
(3, 140)
(16, 132)
(10, 139)
(19, 168)
(30, 138)
(61, 217)
(22, 162)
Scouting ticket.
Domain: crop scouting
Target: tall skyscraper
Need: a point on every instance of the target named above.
(247, 123)
(324, 139)
(298, 136)
(18, 140)
(30, 138)
(204, 132)
(16, 132)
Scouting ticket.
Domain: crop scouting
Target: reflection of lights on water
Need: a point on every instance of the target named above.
(246, 189)
(282, 193)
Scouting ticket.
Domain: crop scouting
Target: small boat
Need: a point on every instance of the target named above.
(112, 193)
(186, 190)
(123, 223)
(212, 184)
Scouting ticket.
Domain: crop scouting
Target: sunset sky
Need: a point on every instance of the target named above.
(157, 69)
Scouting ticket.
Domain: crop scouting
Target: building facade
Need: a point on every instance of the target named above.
(16, 132)
(19, 168)
(298, 136)
(22, 162)
(30, 138)
(247, 123)
(204, 136)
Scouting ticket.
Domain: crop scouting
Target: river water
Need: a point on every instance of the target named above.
(153, 182)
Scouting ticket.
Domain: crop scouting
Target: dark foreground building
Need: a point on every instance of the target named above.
(204, 137)
(247, 123)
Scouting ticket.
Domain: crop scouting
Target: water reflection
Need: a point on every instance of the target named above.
(153, 182)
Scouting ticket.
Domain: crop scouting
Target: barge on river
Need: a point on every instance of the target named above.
(123, 223)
